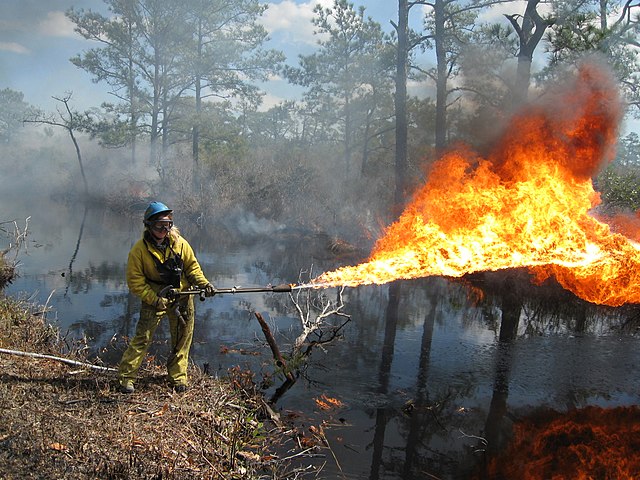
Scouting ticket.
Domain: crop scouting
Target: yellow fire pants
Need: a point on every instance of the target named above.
(181, 337)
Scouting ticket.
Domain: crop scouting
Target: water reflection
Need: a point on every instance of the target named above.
(75, 252)
(388, 345)
(432, 372)
(496, 431)
(421, 406)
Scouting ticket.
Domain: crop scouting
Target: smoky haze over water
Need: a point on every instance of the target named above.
(42, 169)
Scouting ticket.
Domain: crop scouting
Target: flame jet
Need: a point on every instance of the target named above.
(525, 204)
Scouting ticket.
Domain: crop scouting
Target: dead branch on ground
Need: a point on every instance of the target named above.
(57, 359)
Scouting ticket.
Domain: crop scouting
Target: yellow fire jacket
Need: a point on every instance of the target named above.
(143, 278)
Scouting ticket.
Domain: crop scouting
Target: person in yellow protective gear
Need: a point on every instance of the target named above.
(162, 259)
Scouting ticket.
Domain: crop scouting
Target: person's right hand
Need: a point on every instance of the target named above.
(162, 303)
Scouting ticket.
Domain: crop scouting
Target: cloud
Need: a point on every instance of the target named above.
(14, 48)
(292, 19)
(8, 25)
(270, 100)
(56, 24)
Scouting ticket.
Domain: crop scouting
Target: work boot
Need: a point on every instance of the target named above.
(127, 387)
(180, 388)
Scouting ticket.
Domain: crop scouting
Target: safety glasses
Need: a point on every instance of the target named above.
(162, 226)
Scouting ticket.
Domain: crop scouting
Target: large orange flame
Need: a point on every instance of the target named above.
(526, 204)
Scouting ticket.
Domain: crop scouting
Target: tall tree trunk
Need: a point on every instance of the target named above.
(133, 107)
(69, 128)
(400, 105)
(164, 128)
(84, 177)
(347, 135)
(523, 80)
(603, 14)
(365, 145)
(155, 113)
(441, 72)
(529, 35)
(133, 126)
(195, 143)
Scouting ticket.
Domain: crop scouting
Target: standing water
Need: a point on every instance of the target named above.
(418, 385)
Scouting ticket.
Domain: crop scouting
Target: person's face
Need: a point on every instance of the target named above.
(161, 226)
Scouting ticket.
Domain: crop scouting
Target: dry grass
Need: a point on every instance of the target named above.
(7, 271)
(61, 421)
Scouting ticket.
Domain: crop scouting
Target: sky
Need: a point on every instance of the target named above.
(37, 40)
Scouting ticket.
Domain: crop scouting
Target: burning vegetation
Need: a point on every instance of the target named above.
(528, 203)
(592, 442)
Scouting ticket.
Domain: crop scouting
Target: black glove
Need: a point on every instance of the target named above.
(209, 290)
(161, 303)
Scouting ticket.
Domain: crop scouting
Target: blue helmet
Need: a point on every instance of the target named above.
(155, 208)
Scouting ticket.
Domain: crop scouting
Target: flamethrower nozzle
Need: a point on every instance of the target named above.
(282, 288)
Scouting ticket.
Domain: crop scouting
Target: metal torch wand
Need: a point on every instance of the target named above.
(175, 293)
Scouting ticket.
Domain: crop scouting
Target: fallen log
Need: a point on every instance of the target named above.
(57, 359)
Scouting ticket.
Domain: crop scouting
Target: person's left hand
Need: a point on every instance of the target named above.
(209, 290)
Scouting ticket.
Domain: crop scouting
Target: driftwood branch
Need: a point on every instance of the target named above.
(275, 416)
(274, 347)
(313, 309)
(57, 359)
(19, 238)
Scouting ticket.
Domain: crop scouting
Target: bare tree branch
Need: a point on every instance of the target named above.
(314, 308)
